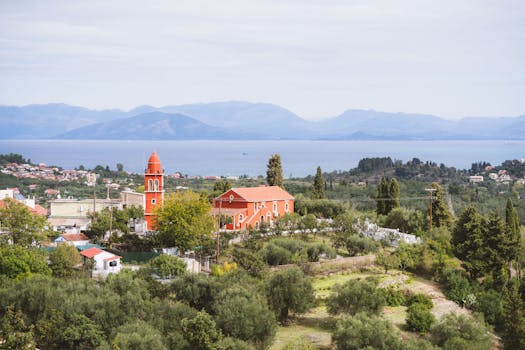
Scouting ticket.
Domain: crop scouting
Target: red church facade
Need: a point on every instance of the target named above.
(252, 206)
(153, 189)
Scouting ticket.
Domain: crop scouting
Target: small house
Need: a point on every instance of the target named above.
(101, 261)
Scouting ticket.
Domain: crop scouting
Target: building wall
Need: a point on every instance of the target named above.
(130, 198)
(73, 208)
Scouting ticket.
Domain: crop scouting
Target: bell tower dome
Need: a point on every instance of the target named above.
(153, 189)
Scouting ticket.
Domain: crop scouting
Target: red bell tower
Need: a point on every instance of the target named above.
(153, 189)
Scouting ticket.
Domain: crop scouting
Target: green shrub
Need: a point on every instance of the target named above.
(461, 332)
(421, 299)
(275, 255)
(394, 296)
(457, 286)
(356, 244)
(419, 318)
(355, 296)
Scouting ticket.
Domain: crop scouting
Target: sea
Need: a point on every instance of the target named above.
(237, 158)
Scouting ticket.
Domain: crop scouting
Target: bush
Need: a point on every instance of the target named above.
(366, 332)
(355, 296)
(461, 332)
(250, 262)
(457, 286)
(275, 255)
(167, 266)
(422, 299)
(394, 296)
(419, 318)
(490, 304)
(356, 244)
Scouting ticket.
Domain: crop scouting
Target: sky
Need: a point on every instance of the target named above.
(316, 58)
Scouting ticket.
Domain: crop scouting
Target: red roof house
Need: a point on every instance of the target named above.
(251, 206)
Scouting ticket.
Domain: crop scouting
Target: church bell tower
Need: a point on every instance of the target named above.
(153, 189)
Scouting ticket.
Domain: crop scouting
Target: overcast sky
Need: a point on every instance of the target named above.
(317, 58)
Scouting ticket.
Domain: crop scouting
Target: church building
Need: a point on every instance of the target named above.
(153, 189)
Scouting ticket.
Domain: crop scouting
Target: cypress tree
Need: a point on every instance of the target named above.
(318, 190)
(274, 172)
(382, 197)
(393, 195)
(440, 214)
(513, 226)
(513, 317)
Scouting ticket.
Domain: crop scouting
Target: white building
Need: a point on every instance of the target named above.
(74, 239)
(103, 262)
(475, 178)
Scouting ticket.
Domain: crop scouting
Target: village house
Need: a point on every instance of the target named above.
(101, 262)
(252, 206)
(74, 239)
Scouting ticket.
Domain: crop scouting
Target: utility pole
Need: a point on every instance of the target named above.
(218, 234)
(430, 191)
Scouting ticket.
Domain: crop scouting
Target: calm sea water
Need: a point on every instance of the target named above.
(299, 158)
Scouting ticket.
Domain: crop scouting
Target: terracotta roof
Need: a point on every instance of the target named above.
(40, 210)
(75, 237)
(114, 257)
(91, 252)
(261, 193)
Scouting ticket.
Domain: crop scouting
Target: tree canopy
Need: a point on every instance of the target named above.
(184, 220)
(274, 172)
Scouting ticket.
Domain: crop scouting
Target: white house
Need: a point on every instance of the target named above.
(74, 239)
(103, 262)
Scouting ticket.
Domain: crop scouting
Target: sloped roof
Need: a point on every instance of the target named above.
(40, 210)
(261, 193)
(72, 237)
(91, 252)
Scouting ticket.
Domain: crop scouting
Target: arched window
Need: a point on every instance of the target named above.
(274, 206)
(150, 185)
(286, 207)
(241, 217)
(156, 185)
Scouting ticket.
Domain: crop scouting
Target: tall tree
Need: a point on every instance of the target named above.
(497, 247)
(441, 216)
(289, 290)
(513, 317)
(382, 197)
(393, 196)
(274, 173)
(513, 225)
(318, 190)
(468, 241)
(23, 227)
(184, 220)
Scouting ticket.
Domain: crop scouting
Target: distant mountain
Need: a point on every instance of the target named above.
(153, 126)
(261, 118)
(242, 120)
(45, 121)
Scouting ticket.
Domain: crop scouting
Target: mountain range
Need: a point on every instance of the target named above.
(241, 121)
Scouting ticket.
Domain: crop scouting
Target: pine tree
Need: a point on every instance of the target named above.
(274, 172)
(497, 247)
(318, 190)
(440, 214)
(513, 317)
(468, 241)
(393, 195)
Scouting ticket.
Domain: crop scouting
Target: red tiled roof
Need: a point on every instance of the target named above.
(261, 193)
(75, 237)
(91, 252)
(114, 257)
(40, 210)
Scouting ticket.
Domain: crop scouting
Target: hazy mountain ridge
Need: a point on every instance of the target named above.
(241, 120)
